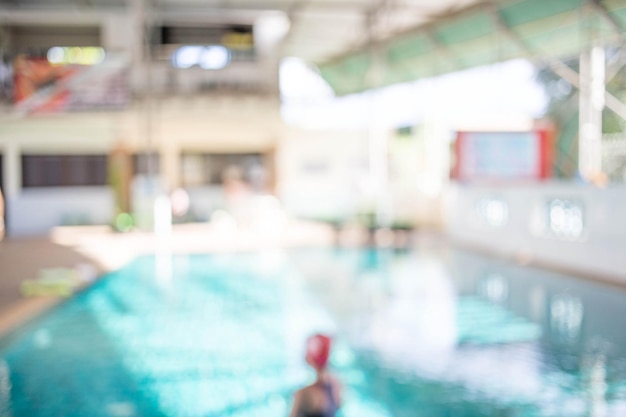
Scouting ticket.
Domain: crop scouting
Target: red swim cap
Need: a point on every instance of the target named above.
(318, 350)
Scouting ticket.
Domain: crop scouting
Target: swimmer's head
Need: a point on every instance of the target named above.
(318, 351)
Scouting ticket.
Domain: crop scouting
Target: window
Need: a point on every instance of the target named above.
(566, 218)
(146, 164)
(63, 170)
(208, 169)
(492, 211)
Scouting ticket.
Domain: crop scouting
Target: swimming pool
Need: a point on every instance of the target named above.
(432, 332)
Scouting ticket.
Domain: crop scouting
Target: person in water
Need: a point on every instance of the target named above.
(323, 397)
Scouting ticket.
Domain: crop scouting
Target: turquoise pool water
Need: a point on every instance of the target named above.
(417, 333)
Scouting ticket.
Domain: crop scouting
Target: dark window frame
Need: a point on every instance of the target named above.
(64, 170)
(146, 163)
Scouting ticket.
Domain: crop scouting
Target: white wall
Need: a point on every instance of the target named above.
(325, 174)
(38, 210)
(202, 123)
(322, 174)
(33, 211)
(599, 249)
(187, 121)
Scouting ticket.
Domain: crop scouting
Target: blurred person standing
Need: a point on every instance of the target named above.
(237, 194)
(323, 397)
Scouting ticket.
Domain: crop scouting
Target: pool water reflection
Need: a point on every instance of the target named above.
(430, 332)
(480, 336)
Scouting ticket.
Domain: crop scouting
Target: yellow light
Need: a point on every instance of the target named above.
(238, 40)
(75, 55)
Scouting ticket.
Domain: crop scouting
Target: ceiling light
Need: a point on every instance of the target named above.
(270, 28)
(206, 57)
(186, 56)
(76, 55)
(214, 57)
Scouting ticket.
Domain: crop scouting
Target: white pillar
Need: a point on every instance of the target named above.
(592, 91)
(12, 174)
(379, 142)
(379, 164)
(170, 164)
(138, 12)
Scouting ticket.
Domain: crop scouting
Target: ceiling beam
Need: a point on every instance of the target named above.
(558, 67)
(614, 68)
(332, 6)
(503, 28)
(52, 17)
(292, 15)
(441, 49)
(600, 9)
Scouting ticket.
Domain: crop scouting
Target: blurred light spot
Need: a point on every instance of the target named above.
(75, 55)
(271, 27)
(124, 222)
(42, 338)
(565, 218)
(164, 266)
(207, 57)
(300, 82)
(495, 288)
(55, 55)
(186, 56)
(214, 57)
(343, 356)
(180, 202)
(121, 409)
(162, 216)
(566, 314)
(597, 385)
(493, 211)
(563, 87)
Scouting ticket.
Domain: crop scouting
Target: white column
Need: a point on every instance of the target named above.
(379, 142)
(170, 164)
(592, 91)
(378, 163)
(12, 173)
(12, 166)
(138, 12)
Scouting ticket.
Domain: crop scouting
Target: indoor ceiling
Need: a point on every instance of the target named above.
(547, 32)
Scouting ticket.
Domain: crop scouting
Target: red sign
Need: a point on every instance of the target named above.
(502, 156)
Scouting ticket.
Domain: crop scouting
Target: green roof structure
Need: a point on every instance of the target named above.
(545, 31)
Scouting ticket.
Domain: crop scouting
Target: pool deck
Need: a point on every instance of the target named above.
(97, 249)
(23, 259)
